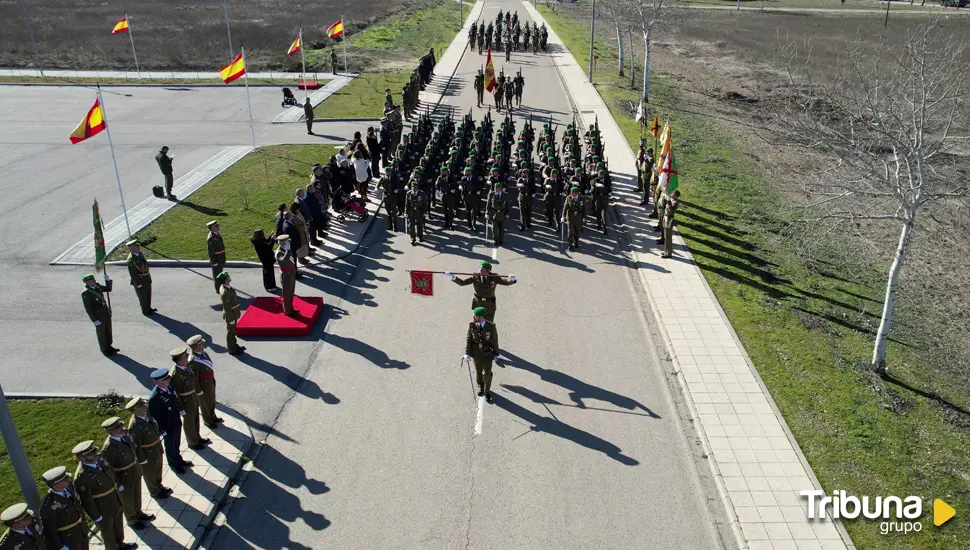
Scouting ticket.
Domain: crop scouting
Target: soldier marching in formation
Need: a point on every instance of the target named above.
(479, 88)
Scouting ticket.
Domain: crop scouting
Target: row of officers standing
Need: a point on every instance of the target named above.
(107, 483)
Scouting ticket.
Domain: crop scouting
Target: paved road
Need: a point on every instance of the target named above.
(48, 185)
(584, 446)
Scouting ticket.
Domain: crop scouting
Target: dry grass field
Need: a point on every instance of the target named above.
(176, 34)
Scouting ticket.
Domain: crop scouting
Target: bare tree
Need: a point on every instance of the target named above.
(616, 9)
(648, 14)
(895, 120)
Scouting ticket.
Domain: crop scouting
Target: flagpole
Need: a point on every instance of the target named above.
(225, 7)
(104, 263)
(344, 31)
(249, 101)
(306, 92)
(114, 161)
(132, 38)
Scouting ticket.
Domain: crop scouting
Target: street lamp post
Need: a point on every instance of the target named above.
(592, 36)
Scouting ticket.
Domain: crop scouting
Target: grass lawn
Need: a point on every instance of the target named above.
(49, 429)
(803, 322)
(243, 198)
(389, 51)
(67, 81)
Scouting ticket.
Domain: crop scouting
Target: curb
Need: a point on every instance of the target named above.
(116, 85)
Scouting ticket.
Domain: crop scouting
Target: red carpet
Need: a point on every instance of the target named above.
(307, 85)
(264, 317)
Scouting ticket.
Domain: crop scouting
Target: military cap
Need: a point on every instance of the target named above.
(602, 172)
(415, 182)
(15, 513)
(649, 149)
(158, 374)
(87, 278)
(486, 265)
(178, 352)
(54, 475)
(600, 164)
(596, 157)
(495, 169)
(281, 238)
(193, 340)
(387, 89)
(555, 170)
(112, 422)
(133, 242)
(222, 276)
(134, 402)
(478, 312)
(84, 448)
(546, 125)
(210, 224)
(567, 126)
(574, 189)
(469, 169)
(498, 185)
(524, 163)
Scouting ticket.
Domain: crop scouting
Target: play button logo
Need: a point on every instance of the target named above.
(942, 512)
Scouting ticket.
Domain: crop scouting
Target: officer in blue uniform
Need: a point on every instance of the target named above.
(164, 408)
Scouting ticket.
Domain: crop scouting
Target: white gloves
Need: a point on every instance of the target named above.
(97, 323)
(562, 219)
(201, 393)
(448, 274)
(497, 357)
(121, 488)
(512, 278)
(467, 358)
(106, 278)
(163, 434)
(182, 413)
(144, 462)
(99, 519)
(138, 286)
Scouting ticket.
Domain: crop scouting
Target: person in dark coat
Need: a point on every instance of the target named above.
(280, 218)
(296, 241)
(264, 251)
(164, 408)
(308, 215)
(308, 114)
(374, 147)
(317, 225)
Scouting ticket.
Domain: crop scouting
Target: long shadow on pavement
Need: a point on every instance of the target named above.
(138, 371)
(554, 426)
(578, 390)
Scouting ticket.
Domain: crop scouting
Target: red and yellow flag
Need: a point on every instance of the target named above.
(121, 26)
(336, 30)
(235, 69)
(422, 282)
(92, 124)
(489, 72)
(295, 46)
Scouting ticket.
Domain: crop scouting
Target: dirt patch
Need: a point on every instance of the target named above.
(177, 34)
(732, 68)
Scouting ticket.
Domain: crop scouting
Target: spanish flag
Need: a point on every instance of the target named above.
(235, 69)
(92, 124)
(121, 26)
(295, 46)
(489, 72)
(336, 30)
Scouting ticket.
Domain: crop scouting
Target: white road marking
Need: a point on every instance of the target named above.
(480, 418)
(494, 254)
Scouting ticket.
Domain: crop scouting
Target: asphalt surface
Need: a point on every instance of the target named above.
(382, 446)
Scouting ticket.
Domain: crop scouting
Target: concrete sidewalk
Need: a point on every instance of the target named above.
(757, 464)
(295, 113)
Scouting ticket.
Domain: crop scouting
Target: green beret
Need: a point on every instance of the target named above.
(480, 312)
(469, 169)
(574, 189)
(486, 265)
(555, 170)
(498, 185)
(87, 278)
(600, 164)
(602, 172)
(222, 276)
(649, 149)
(495, 169)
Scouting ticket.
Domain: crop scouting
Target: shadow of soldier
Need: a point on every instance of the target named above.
(556, 427)
(578, 390)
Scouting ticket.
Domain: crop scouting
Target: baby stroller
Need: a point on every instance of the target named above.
(288, 98)
(345, 205)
